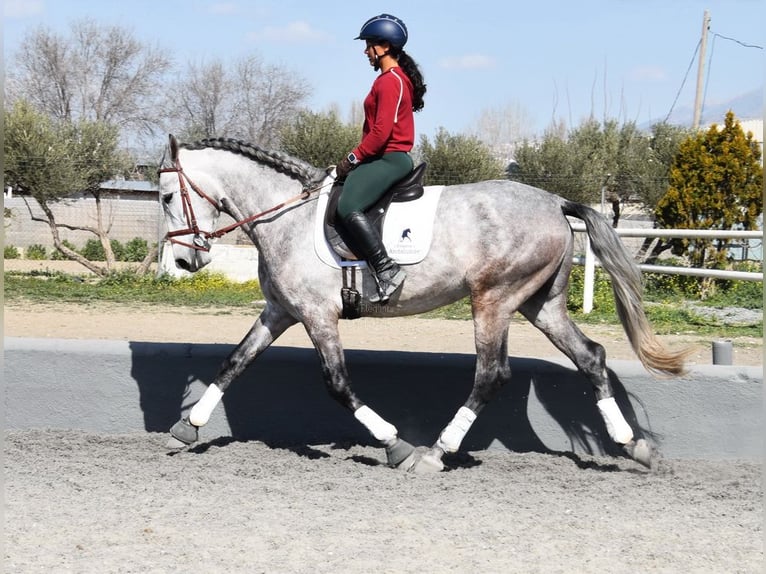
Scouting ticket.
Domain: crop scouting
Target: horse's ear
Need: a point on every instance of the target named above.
(173, 148)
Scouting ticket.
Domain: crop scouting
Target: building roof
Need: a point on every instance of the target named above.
(129, 185)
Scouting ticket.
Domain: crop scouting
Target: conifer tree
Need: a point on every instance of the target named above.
(716, 182)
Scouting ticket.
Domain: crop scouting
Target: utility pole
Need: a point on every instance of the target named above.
(701, 71)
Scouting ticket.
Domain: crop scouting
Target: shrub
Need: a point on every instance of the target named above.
(740, 293)
(94, 251)
(56, 255)
(135, 250)
(36, 252)
(603, 299)
(10, 252)
(665, 285)
(715, 292)
(118, 249)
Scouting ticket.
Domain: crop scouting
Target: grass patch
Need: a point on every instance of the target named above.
(667, 318)
(668, 315)
(200, 290)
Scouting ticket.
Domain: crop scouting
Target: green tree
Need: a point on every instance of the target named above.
(454, 159)
(574, 164)
(716, 182)
(664, 142)
(580, 164)
(320, 139)
(547, 164)
(50, 160)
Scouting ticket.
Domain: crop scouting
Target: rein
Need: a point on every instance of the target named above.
(201, 238)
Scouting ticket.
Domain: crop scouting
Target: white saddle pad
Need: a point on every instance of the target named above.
(407, 229)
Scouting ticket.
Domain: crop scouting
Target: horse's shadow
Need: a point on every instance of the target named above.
(547, 407)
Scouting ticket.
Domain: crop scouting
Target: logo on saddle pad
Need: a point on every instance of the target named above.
(407, 229)
(407, 246)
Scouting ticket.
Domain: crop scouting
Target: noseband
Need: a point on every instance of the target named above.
(200, 241)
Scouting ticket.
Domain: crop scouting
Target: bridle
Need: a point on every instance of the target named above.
(200, 241)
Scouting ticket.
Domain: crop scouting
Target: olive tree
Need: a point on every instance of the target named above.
(50, 159)
(454, 159)
(619, 159)
(321, 139)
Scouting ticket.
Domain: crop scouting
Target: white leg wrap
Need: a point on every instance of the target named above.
(200, 412)
(616, 424)
(452, 436)
(379, 428)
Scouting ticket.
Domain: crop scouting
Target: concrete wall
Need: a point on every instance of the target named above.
(236, 262)
(126, 218)
(113, 387)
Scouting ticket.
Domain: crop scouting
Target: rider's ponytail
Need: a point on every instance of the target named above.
(416, 77)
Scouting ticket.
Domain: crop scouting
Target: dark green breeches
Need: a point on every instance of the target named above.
(368, 181)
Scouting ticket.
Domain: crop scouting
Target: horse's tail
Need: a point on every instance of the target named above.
(628, 288)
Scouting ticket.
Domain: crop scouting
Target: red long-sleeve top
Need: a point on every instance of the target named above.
(389, 124)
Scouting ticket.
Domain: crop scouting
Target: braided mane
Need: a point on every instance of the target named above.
(296, 168)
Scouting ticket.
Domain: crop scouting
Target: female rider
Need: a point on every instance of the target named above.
(382, 157)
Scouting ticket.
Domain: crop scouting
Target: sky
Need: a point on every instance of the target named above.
(630, 60)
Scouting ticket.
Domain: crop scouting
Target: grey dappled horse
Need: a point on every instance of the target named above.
(506, 245)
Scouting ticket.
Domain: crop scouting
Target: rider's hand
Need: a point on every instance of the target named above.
(342, 169)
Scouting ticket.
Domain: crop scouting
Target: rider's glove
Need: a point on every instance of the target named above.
(342, 169)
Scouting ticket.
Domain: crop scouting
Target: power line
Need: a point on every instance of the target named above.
(710, 59)
(746, 45)
(683, 83)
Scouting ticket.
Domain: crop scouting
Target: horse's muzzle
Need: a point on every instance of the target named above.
(191, 259)
(185, 265)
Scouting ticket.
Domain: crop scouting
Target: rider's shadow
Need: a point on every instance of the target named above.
(281, 399)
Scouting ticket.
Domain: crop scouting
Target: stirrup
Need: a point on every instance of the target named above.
(389, 285)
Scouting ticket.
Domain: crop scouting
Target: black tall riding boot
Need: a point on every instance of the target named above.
(386, 272)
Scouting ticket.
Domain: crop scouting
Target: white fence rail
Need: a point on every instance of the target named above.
(590, 258)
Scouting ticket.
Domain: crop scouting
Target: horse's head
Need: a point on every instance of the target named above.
(190, 213)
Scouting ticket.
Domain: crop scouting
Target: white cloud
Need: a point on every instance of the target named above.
(294, 32)
(647, 74)
(468, 62)
(22, 8)
(224, 8)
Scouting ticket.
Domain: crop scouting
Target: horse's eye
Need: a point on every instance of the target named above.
(166, 198)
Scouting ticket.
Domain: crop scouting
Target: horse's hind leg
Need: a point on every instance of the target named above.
(590, 358)
(272, 322)
(324, 334)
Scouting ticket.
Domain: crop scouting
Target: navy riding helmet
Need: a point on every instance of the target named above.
(385, 28)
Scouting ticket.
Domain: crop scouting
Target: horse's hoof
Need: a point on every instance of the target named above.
(184, 432)
(428, 464)
(401, 454)
(640, 451)
(408, 464)
(175, 444)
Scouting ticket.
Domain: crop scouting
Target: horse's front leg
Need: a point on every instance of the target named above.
(272, 322)
(492, 372)
(324, 334)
